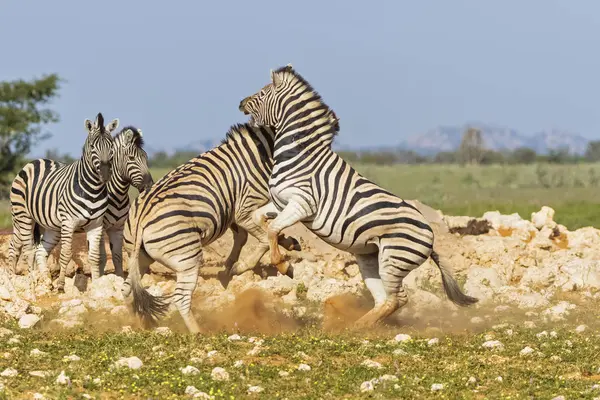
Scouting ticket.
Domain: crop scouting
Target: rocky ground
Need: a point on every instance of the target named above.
(530, 265)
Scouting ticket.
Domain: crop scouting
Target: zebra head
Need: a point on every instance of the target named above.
(265, 106)
(290, 101)
(98, 147)
(130, 161)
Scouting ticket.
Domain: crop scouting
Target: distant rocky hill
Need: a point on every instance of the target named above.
(443, 138)
(448, 138)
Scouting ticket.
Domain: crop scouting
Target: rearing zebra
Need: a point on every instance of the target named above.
(313, 185)
(129, 167)
(191, 207)
(61, 199)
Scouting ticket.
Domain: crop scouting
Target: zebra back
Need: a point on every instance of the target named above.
(208, 192)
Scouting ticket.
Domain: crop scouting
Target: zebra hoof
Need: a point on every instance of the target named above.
(224, 277)
(271, 215)
(290, 272)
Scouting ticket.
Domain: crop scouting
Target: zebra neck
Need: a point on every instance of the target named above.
(118, 189)
(302, 143)
(87, 182)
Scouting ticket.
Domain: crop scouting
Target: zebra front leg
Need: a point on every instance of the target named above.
(292, 213)
(66, 243)
(50, 239)
(94, 235)
(101, 254)
(115, 238)
(240, 237)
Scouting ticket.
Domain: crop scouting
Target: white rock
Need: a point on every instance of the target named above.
(190, 370)
(38, 396)
(163, 330)
(234, 337)
(14, 340)
(581, 328)
(238, 364)
(402, 337)
(388, 378)
(367, 386)
(477, 320)
(543, 218)
(526, 351)
(191, 390)
(471, 381)
(371, 364)
(433, 342)
(37, 353)
(529, 324)
(436, 387)
(5, 294)
(283, 374)
(40, 374)
(71, 357)
(399, 352)
(28, 321)
(255, 389)
(558, 312)
(129, 362)
(63, 379)
(9, 373)
(499, 379)
(493, 345)
(509, 332)
(304, 367)
(541, 335)
(5, 332)
(219, 374)
(211, 353)
(559, 398)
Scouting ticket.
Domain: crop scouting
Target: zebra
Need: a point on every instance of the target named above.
(191, 207)
(313, 185)
(62, 198)
(129, 167)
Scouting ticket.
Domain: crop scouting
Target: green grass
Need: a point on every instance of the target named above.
(572, 190)
(335, 361)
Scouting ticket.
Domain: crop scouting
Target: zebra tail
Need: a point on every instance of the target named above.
(145, 305)
(451, 286)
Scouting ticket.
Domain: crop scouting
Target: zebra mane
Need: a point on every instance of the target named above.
(138, 140)
(334, 119)
(239, 129)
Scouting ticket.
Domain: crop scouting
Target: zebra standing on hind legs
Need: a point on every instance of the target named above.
(129, 167)
(313, 185)
(63, 198)
(193, 206)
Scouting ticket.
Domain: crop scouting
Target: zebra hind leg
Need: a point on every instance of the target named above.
(393, 268)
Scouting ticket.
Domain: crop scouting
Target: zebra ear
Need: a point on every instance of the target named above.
(88, 125)
(113, 125)
(276, 79)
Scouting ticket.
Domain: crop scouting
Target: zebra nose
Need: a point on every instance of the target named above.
(242, 106)
(104, 170)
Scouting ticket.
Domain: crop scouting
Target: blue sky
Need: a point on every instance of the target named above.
(388, 68)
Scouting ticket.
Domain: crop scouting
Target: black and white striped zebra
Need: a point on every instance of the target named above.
(129, 167)
(191, 207)
(63, 198)
(311, 184)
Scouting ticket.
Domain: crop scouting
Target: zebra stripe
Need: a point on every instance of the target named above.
(63, 198)
(191, 207)
(313, 185)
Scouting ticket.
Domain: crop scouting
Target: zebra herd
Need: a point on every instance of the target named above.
(268, 174)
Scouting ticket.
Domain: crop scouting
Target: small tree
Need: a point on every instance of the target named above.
(471, 149)
(22, 114)
(592, 152)
(54, 154)
(524, 155)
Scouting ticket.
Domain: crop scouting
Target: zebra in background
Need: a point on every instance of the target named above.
(313, 185)
(129, 167)
(191, 207)
(63, 198)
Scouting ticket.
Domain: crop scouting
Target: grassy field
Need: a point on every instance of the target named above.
(572, 190)
(562, 363)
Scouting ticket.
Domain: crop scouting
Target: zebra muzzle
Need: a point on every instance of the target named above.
(104, 171)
